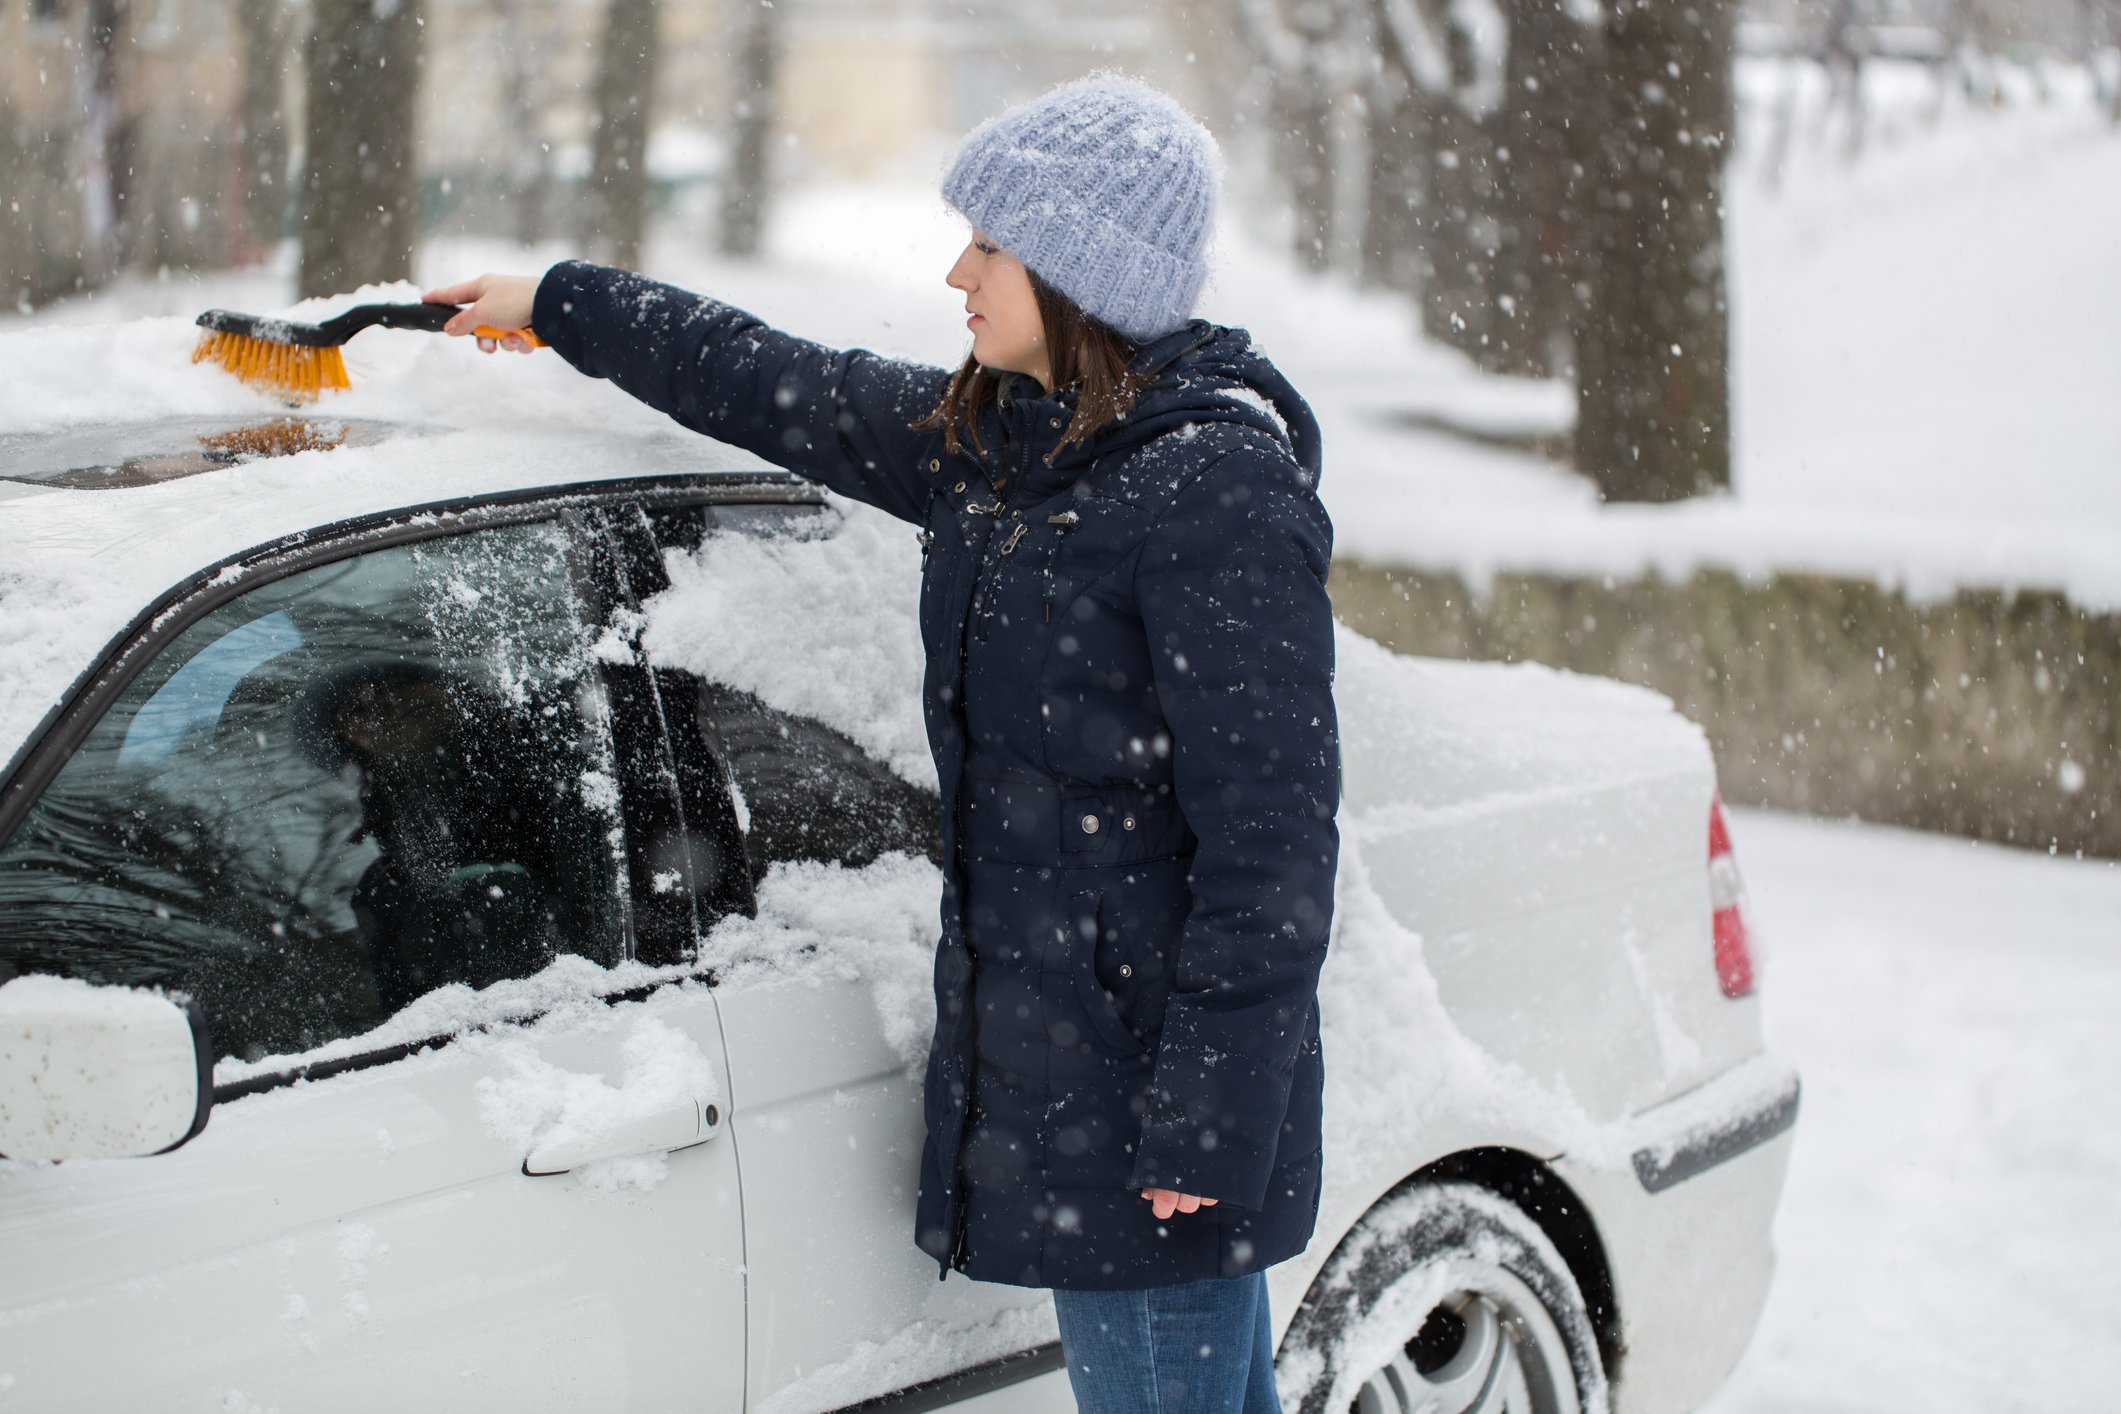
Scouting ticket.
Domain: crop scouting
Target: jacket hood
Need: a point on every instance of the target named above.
(1200, 373)
(1211, 373)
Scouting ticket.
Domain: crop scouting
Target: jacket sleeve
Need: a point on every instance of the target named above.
(836, 416)
(1232, 588)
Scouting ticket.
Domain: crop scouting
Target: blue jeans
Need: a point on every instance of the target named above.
(1204, 1347)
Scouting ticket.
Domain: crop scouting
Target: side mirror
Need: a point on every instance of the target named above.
(92, 1072)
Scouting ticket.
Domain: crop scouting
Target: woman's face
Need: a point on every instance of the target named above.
(1007, 332)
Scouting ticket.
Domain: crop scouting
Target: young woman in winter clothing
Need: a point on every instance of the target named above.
(1128, 695)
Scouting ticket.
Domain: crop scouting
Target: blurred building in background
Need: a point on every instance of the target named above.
(117, 125)
(863, 89)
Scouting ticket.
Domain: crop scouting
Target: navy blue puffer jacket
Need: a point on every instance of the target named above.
(1129, 697)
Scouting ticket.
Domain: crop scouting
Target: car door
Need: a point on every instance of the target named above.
(388, 819)
(826, 1003)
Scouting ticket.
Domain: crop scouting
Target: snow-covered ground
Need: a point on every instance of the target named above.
(1948, 1239)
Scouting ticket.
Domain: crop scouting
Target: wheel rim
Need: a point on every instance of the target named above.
(1487, 1348)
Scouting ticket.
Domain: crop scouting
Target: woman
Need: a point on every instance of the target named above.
(1128, 694)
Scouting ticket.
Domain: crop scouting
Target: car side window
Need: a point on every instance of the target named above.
(338, 792)
(806, 790)
(810, 792)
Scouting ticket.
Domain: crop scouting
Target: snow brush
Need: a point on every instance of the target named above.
(302, 361)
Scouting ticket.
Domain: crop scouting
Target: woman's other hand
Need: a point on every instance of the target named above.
(1163, 1202)
(496, 301)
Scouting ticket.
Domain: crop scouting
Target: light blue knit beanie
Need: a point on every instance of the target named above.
(1105, 188)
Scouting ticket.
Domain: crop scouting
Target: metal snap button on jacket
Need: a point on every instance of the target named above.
(1090, 824)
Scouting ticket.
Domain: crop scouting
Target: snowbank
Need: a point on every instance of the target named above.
(1950, 1192)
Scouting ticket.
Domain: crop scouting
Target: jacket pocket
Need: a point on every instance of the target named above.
(1087, 927)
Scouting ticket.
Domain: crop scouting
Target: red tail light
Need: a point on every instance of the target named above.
(1734, 952)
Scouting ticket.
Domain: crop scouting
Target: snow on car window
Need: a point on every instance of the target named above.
(816, 922)
(823, 627)
(489, 599)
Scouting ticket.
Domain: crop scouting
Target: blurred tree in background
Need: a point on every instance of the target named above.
(615, 210)
(1541, 180)
(1545, 177)
(754, 54)
(266, 33)
(1653, 405)
(360, 186)
(108, 141)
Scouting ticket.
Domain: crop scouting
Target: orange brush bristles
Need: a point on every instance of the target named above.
(292, 370)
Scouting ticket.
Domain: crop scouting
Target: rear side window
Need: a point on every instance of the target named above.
(807, 791)
(338, 792)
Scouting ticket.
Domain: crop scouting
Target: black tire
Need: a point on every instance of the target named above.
(1444, 1298)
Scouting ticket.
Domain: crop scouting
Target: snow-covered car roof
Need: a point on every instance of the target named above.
(126, 470)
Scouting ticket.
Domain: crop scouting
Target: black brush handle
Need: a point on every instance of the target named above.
(428, 318)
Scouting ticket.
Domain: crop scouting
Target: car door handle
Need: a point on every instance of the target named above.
(677, 1127)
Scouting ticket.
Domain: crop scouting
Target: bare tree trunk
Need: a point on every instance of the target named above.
(1306, 111)
(1460, 225)
(1652, 391)
(1300, 99)
(529, 167)
(616, 214)
(2110, 39)
(1541, 156)
(1842, 47)
(360, 188)
(748, 176)
(1454, 285)
(109, 137)
(261, 138)
(1391, 234)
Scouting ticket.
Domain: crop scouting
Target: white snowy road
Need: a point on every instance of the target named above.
(1950, 1238)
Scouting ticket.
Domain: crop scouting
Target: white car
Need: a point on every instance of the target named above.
(465, 922)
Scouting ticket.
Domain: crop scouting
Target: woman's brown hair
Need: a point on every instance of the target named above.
(1092, 358)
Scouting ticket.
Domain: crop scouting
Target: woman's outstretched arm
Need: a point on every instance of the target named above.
(839, 416)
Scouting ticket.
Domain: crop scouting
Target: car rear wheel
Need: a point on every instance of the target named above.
(1445, 1299)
